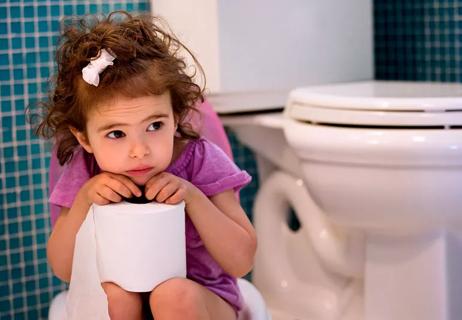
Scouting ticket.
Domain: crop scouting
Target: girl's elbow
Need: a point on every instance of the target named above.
(59, 271)
(57, 267)
(251, 256)
(247, 260)
(61, 275)
(239, 271)
(252, 249)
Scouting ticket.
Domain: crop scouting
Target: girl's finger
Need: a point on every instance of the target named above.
(154, 187)
(167, 191)
(119, 187)
(127, 183)
(109, 194)
(177, 197)
(156, 179)
(99, 200)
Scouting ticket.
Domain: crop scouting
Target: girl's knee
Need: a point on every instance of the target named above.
(177, 293)
(122, 303)
(113, 291)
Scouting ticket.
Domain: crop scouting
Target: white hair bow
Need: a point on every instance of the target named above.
(97, 65)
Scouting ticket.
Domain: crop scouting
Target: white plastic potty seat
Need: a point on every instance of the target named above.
(254, 308)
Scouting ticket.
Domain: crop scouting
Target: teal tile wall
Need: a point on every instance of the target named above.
(245, 159)
(28, 34)
(418, 40)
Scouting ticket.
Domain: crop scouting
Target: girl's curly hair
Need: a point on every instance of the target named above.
(147, 63)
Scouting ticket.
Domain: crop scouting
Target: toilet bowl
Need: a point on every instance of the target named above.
(372, 171)
(385, 159)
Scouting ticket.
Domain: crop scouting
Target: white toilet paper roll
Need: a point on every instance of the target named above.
(139, 246)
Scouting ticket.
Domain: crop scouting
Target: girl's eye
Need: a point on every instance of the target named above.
(155, 126)
(116, 134)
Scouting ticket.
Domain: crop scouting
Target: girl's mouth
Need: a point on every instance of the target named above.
(139, 171)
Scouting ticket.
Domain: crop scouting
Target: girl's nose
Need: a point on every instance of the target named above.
(139, 150)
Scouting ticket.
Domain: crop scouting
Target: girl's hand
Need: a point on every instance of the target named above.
(168, 188)
(108, 187)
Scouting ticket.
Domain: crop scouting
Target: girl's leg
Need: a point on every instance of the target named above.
(122, 304)
(181, 299)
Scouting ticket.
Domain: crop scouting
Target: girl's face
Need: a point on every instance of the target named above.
(131, 136)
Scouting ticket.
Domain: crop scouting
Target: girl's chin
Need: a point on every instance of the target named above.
(141, 178)
(140, 181)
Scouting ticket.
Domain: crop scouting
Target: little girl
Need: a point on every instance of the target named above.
(118, 114)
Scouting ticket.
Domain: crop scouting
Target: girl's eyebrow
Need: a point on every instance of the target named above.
(109, 126)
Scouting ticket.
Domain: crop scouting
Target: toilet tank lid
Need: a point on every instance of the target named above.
(381, 95)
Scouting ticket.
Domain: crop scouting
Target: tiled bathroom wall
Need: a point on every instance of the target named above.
(28, 33)
(418, 40)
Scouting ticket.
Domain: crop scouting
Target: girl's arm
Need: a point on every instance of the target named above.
(101, 189)
(222, 224)
(60, 246)
(225, 230)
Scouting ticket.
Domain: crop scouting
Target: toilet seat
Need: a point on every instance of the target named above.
(374, 122)
(379, 104)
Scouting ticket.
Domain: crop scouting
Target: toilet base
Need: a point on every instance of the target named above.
(414, 277)
(319, 304)
(407, 277)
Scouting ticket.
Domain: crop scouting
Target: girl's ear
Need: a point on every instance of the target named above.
(82, 139)
(175, 122)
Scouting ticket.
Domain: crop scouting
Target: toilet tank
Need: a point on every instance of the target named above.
(264, 45)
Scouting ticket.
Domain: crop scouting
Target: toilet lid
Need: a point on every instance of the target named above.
(379, 103)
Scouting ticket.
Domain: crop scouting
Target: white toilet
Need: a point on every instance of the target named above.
(373, 171)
